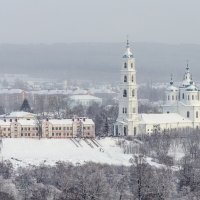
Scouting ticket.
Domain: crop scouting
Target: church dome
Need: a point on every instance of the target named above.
(191, 87)
(172, 88)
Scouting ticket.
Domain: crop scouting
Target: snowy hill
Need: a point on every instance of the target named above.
(23, 152)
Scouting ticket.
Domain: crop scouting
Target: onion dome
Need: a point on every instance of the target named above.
(128, 53)
(171, 87)
(191, 87)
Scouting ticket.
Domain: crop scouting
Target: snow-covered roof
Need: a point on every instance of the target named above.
(18, 114)
(84, 97)
(88, 121)
(70, 121)
(172, 88)
(11, 91)
(192, 87)
(25, 122)
(60, 121)
(163, 118)
(4, 123)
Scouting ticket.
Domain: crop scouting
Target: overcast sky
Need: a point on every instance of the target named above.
(51, 21)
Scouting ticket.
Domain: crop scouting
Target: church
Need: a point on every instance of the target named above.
(181, 109)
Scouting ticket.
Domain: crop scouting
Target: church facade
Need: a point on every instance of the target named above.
(181, 109)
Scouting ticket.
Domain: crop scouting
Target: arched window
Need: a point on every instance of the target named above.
(168, 97)
(188, 114)
(172, 97)
(197, 114)
(125, 65)
(192, 97)
(132, 78)
(188, 97)
(133, 93)
(125, 79)
(183, 96)
(131, 65)
(125, 93)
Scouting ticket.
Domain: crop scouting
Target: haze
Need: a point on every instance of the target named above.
(52, 21)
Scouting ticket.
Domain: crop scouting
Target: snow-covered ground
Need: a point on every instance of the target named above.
(24, 152)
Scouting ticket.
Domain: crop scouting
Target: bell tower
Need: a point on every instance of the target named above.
(127, 121)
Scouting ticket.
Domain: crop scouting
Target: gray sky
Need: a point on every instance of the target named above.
(50, 21)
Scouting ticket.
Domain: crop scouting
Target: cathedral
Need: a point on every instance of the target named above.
(181, 109)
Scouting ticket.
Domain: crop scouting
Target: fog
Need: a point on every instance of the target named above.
(52, 21)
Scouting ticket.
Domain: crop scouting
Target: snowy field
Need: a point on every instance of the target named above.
(24, 152)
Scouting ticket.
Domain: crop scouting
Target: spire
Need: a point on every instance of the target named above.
(127, 42)
(171, 80)
(128, 53)
(187, 66)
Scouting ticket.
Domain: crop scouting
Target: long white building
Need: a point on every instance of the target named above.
(181, 109)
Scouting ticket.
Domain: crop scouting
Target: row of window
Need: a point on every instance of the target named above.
(124, 110)
(67, 128)
(189, 97)
(126, 79)
(125, 93)
(64, 134)
(197, 114)
(28, 129)
(29, 134)
(192, 97)
(125, 65)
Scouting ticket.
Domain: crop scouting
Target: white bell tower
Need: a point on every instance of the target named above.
(127, 121)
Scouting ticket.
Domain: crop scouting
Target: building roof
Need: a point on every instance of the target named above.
(11, 91)
(164, 118)
(60, 121)
(18, 114)
(84, 97)
(25, 122)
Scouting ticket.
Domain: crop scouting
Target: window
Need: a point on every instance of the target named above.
(125, 65)
(192, 97)
(125, 79)
(59, 128)
(183, 96)
(52, 134)
(132, 78)
(188, 97)
(52, 128)
(70, 128)
(172, 97)
(10, 120)
(125, 93)
(133, 110)
(88, 128)
(28, 134)
(131, 65)
(125, 110)
(133, 93)
(21, 134)
(168, 97)
(122, 110)
(29, 129)
(197, 114)
(188, 114)
(56, 128)
(67, 128)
